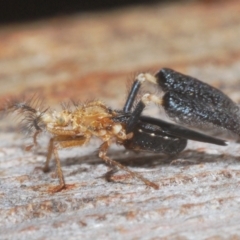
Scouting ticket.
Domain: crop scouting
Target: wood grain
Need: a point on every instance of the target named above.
(96, 55)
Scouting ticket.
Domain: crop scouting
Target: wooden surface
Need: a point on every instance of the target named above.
(93, 56)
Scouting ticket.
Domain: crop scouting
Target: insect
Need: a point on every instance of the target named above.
(75, 126)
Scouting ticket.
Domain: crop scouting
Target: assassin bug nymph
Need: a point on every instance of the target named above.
(127, 127)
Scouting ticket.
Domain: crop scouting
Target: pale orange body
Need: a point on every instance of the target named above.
(87, 120)
(75, 128)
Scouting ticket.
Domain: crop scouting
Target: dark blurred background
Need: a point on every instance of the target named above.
(26, 10)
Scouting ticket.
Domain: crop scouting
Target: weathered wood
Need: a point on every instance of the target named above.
(91, 56)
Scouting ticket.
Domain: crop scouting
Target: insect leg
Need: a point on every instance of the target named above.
(103, 155)
(63, 142)
(53, 150)
(61, 132)
(108, 175)
(135, 88)
(145, 100)
(132, 95)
